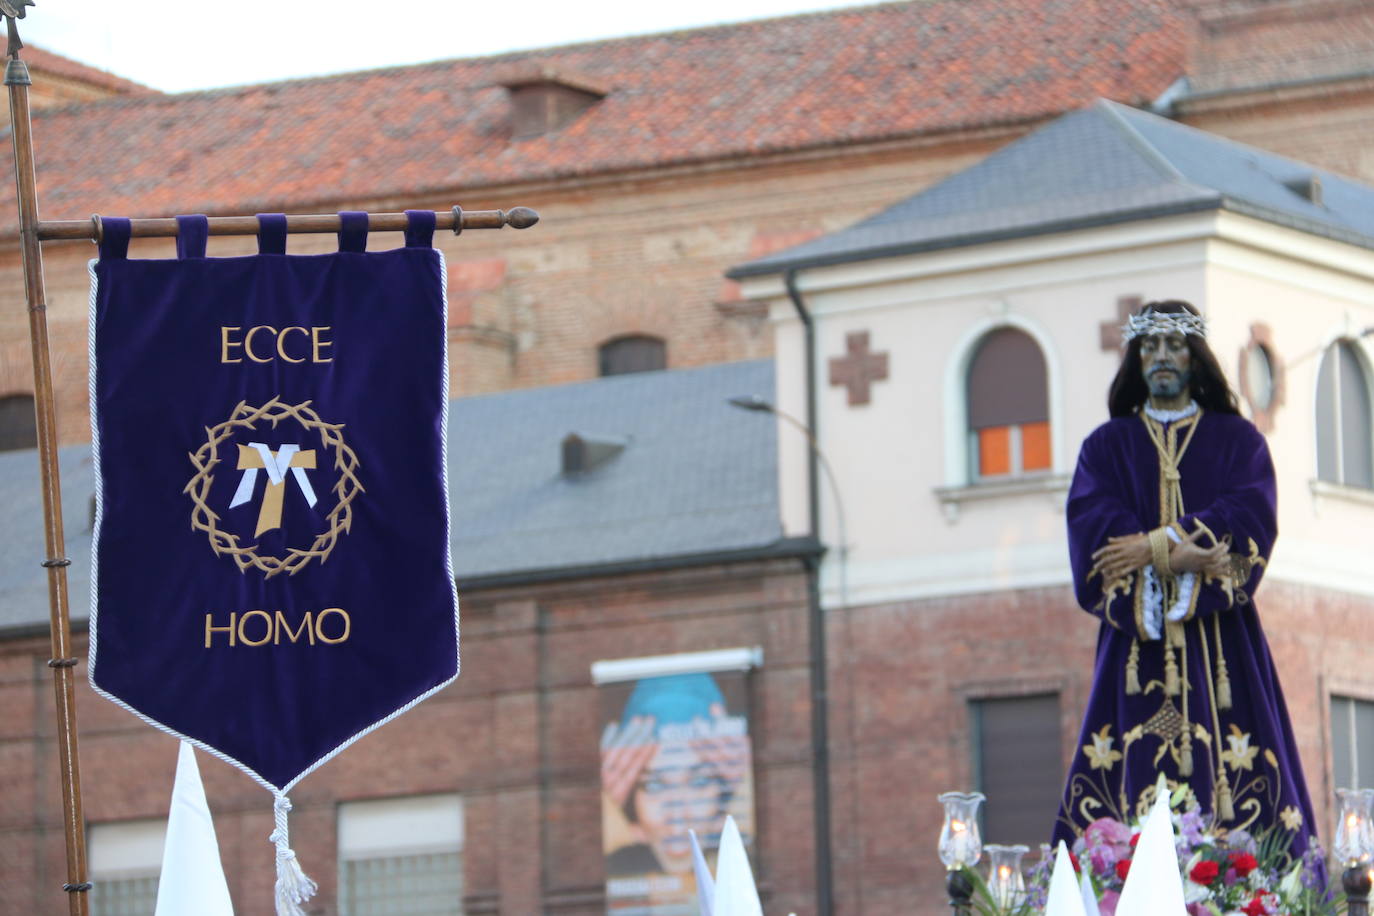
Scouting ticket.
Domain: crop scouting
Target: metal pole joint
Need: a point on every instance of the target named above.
(17, 73)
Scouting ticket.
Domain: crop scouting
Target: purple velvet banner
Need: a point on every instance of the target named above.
(272, 577)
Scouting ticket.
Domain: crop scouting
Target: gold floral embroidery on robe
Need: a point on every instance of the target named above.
(1100, 753)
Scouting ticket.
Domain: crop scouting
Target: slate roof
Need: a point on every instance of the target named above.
(23, 583)
(804, 82)
(696, 477)
(1106, 164)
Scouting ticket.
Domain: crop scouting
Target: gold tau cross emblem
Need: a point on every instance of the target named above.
(256, 456)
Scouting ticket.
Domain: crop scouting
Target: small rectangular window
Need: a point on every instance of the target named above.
(1012, 450)
(1017, 764)
(1352, 742)
(401, 857)
(125, 860)
(994, 451)
(1035, 446)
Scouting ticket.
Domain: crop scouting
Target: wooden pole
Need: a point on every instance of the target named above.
(62, 663)
(456, 219)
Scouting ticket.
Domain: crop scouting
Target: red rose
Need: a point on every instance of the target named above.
(1135, 838)
(1204, 872)
(1243, 863)
(1123, 867)
(1073, 860)
(1254, 907)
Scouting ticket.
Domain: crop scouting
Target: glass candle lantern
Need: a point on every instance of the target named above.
(1354, 841)
(960, 844)
(1005, 880)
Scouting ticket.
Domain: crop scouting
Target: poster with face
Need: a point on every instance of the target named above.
(675, 756)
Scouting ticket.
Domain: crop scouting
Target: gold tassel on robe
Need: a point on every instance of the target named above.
(1223, 676)
(1173, 639)
(1225, 806)
(1133, 669)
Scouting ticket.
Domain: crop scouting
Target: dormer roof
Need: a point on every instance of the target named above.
(1106, 164)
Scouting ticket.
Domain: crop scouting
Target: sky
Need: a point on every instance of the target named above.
(178, 45)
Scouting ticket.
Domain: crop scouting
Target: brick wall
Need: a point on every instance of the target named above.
(647, 256)
(517, 734)
(1254, 43)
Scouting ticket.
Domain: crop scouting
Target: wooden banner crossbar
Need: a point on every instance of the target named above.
(456, 219)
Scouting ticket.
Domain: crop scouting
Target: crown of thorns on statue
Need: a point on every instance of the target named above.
(1158, 323)
(203, 518)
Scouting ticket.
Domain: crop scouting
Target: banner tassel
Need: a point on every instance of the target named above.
(293, 887)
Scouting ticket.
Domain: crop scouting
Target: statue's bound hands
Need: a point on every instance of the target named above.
(1190, 556)
(1122, 556)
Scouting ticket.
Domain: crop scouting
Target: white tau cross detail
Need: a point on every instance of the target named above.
(256, 456)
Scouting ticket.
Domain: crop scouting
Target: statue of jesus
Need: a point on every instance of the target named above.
(1171, 519)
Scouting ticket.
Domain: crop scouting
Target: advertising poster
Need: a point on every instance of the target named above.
(675, 756)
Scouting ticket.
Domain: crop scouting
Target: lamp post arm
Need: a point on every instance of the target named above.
(840, 525)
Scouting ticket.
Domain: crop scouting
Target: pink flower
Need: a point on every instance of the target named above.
(1105, 842)
(1107, 905)
(1105, 831)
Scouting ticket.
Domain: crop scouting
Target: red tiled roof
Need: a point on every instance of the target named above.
(44, 60)
(826, 79)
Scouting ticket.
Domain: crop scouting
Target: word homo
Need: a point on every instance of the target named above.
(258, 628)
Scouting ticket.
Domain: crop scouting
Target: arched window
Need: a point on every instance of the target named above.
(18, 425)
(1008, 407)
(633, 353)
(1345, 440)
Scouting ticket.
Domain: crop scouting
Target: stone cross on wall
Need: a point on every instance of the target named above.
(858, 369)
(1111, 330)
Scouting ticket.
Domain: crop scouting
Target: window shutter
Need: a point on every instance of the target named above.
(1007, 382)
(1357, 439)
(18, 424)
(1018, 766)
(632, 354)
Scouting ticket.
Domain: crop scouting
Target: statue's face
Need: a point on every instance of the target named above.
(1166, 364)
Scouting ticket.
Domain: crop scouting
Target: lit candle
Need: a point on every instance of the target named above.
(958, 839)
(1001, 887)
(960, 846)
(1005, 882)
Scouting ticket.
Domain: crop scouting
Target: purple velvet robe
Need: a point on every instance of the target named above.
(1128, 738)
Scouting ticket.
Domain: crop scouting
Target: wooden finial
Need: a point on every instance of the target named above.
(521, 217)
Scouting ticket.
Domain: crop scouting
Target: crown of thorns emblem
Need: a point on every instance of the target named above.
(287, 459)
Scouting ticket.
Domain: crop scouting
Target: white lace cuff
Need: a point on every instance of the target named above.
(1186, 583)
(1153, 601)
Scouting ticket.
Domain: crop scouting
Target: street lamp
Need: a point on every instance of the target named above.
(820, 705)
(761, 405)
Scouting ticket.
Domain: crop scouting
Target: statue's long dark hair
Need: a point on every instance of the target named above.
(1207, 385)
